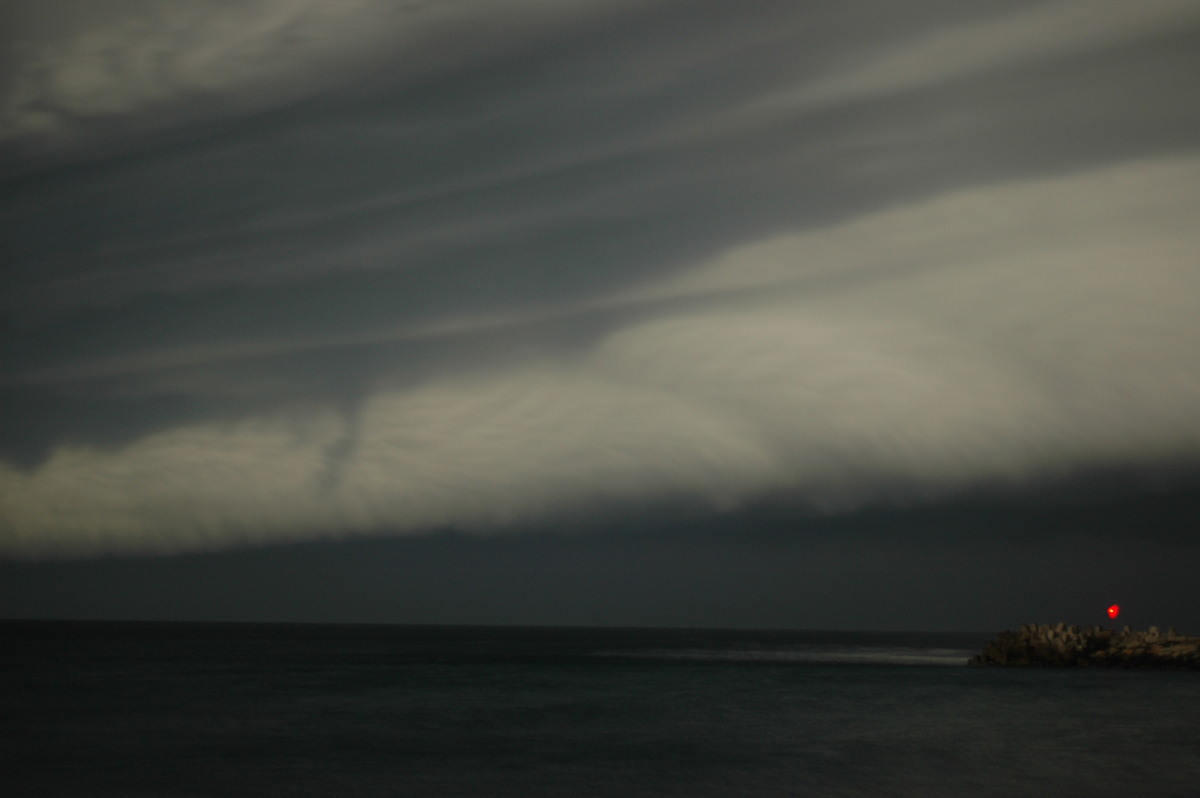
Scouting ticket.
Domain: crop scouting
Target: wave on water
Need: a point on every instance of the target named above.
(858, 655)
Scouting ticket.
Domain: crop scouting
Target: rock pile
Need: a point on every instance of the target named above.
(1088, 646)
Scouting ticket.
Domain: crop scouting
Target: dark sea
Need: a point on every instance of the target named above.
(147, 709)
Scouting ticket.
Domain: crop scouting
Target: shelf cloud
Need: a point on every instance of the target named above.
(295, 270)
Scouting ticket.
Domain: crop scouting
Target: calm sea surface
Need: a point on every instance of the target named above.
(100, 709)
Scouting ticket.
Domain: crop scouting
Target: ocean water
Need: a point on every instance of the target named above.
(117, 709)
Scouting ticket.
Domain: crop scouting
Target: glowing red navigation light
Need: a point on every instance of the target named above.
(1114, 611)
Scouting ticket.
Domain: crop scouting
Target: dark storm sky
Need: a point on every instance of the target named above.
(703, 313)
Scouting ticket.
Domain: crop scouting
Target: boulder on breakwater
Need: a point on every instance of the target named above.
(1042, 645)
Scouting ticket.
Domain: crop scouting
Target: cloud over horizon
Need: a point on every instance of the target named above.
(647, 256)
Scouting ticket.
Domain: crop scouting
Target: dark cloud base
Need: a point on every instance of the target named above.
(980, 563)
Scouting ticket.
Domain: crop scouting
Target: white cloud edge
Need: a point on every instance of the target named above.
(1025, 345)
(1023, 36)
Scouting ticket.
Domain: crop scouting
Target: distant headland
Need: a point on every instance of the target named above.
(1042, 645)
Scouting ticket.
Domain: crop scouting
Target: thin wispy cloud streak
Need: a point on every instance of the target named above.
(291, 271)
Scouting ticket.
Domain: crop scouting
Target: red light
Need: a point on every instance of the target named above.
(1114, 611)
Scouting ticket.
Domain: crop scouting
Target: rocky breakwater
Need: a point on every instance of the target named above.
(1091, 646)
